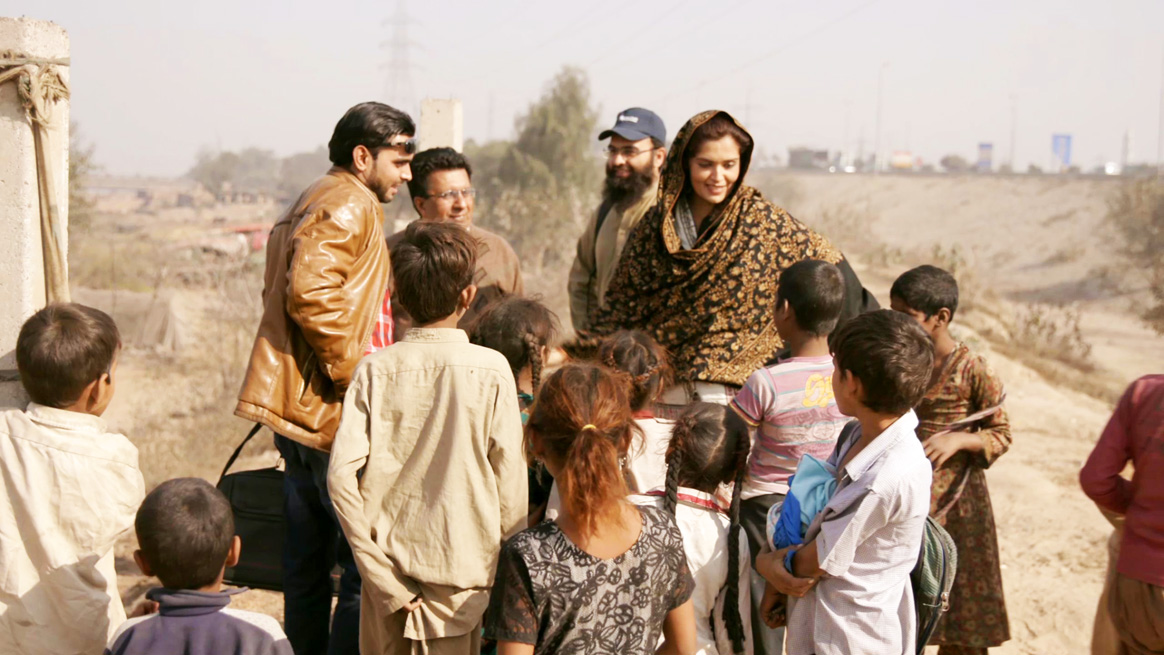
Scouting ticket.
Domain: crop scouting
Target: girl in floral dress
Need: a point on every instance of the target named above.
(604, 577)
(965, 429)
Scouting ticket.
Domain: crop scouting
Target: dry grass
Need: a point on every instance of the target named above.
(1136, 211)
(177, 405)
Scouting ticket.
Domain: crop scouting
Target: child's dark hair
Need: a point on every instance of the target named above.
(815, 290)
(62, 349)
(431, 266)
(518, 328)
(890, 354)
(581, 420)
(642, 359)
(927, 289)
(185, 529)
(709, 447)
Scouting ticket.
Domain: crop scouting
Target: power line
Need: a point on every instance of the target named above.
(667, 38)
(574, 27)
(775, 51)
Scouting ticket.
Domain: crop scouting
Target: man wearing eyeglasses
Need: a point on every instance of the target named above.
(325, 287)
(633, 162)
(442, 191)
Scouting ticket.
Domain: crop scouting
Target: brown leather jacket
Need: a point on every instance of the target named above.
(327, 273)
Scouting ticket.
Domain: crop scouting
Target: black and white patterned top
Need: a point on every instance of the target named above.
(550, 593)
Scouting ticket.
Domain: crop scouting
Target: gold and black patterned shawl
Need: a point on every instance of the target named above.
(711, 307)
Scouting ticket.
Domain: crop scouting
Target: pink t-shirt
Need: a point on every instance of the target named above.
(792, 407)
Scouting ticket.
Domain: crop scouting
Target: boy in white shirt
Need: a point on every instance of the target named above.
(70, 488)
(849, 584)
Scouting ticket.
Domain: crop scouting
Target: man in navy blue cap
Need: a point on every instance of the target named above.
(633, 162)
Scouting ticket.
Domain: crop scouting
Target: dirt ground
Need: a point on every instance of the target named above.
(1021, 246)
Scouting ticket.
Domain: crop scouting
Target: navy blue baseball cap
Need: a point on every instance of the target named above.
(636, 124)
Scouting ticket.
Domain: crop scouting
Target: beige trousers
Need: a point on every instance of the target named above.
(1104, 638)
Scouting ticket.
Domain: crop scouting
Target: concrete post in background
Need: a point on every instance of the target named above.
(22, 279)
(442, 124)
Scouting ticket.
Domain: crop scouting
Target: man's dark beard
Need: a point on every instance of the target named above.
(624, 191)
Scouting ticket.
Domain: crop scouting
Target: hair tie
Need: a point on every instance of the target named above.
(589, 426)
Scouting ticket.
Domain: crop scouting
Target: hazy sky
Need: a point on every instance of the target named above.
(153, 82)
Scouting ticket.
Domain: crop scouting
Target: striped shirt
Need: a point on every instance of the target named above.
(792, 407)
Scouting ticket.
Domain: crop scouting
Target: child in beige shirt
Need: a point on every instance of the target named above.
(69, 488)
(427, 472)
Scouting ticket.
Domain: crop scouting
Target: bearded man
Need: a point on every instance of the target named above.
(633, 161)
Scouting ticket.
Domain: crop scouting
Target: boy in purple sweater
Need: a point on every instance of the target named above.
(186, 532)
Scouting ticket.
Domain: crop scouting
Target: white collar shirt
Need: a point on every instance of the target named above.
(703, 521)
(868, 538)
(69, 488)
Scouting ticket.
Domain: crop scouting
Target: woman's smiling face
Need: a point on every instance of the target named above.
(714, 169)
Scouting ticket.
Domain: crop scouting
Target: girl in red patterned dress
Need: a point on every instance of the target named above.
(965, 429)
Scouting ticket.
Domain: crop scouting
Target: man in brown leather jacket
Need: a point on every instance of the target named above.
(325, 284)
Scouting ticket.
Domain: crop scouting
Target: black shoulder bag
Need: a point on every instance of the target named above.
(256, 498)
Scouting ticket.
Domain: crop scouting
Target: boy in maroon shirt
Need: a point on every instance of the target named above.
(1135, 433)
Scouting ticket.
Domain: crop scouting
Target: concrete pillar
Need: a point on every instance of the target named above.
(22, 280)
(442, 124)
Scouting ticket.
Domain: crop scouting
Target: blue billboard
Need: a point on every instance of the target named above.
(985, 157)
(1061, 148)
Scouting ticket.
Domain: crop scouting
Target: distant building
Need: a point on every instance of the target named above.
(807, 158)
(901, 160)
(127, 194)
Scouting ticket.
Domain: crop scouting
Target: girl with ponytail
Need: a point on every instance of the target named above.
(708, 448)
(605, 576)
(643, 363)
(522, 330)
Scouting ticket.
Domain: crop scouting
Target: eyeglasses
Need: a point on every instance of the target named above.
(453, 194)
(626, 152)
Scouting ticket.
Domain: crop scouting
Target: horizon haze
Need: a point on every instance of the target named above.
(154, 83)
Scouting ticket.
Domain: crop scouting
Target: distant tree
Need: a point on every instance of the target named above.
(558, 133)
(300, 170)
(1136, 209)
(954, 164)
(214, 170)
(258, 170)
(253, 170)
(82, 164)
(538, 189)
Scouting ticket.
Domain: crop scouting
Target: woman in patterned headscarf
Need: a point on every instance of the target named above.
(700, 271)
